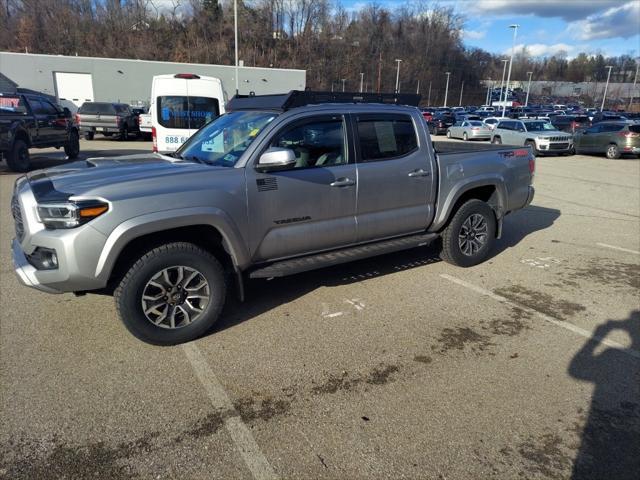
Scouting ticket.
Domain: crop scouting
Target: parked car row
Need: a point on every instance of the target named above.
(612, 138)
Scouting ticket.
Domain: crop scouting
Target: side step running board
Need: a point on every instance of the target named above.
(336, 257)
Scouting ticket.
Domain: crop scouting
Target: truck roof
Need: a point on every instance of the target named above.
(299, 98)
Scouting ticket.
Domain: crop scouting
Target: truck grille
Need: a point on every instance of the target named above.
(557, 139)
(16, 211)
(558, 146)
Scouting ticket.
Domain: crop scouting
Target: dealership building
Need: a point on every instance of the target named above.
(81, 79)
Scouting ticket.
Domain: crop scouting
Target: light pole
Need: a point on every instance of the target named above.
(429, 96)
(526, 102)
(604, 97)
(513, 49)
(343, 81)
(504, 71)
(398, 75)
(461, 90)
(489, 88)
(235, 33)
(361, 81)
(635, 81)
(418, 88)
(446, 89)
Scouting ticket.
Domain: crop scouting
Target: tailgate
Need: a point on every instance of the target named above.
(98, 121)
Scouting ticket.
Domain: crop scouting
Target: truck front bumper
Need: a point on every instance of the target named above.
(26, 272)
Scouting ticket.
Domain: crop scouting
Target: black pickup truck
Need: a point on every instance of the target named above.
(32, 121)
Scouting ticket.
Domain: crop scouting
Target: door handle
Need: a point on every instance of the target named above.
(343, 182)
(419, 173)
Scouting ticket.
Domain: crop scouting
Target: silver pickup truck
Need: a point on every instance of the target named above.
(282, 184)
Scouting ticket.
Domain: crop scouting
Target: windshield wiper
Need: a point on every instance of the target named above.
(174, 155)
(196, 159)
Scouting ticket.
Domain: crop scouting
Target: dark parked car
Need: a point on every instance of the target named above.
(32, 121)
(440, 122)
(611, 138)
(571, 123)
(108, 119)
(607, 117)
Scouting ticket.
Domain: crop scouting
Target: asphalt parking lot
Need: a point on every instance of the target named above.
(401, 366)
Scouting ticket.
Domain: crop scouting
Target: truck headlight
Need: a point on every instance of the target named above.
(70, 214)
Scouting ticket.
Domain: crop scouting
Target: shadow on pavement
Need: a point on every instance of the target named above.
(263, 295)
(610, 447)
(522, 223)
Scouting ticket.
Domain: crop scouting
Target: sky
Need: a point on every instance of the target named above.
(610, 27)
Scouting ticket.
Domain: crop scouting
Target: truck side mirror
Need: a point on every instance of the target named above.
(276, 158)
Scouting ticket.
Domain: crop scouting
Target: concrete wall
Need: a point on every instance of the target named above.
(129, 81)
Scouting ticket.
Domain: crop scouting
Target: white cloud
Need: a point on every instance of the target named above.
(543, 50)
(474, 34)
(621, 21)
(568, 10)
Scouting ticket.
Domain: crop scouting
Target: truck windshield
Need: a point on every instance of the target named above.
(223, 141)
(538, 126)
(12, 105)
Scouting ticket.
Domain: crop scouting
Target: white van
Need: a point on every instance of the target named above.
(180, 105)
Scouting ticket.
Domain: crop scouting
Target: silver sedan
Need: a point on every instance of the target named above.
(469, 130)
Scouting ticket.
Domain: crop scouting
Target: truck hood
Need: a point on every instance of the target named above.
(89, 176)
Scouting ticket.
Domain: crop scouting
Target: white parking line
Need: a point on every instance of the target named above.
(617, 248)
(240, 434)
(555, 321)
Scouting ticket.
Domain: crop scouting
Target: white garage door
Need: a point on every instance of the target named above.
(75, 87)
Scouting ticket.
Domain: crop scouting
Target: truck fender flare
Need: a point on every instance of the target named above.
(136, 227)
(498, 203)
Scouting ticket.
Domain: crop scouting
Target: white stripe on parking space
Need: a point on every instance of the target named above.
(560, 323)
(240, 434)
(613, 247)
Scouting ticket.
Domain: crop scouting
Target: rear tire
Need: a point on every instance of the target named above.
(72, 148)
(448, 134)
(532, 144)
(470, 235)
(465, 137)
(148, 270)
(88, 135)
(18, 159)
(613, 152)
(496, 141)
(124, 133)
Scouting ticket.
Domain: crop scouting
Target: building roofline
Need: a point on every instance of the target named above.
(152, 61)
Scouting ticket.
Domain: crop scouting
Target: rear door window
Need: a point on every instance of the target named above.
(386, 137)
(183, 112)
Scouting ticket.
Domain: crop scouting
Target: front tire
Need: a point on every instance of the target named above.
(448, 134)
(465, 137)
(613, 152)
(18, 159)
(172, 294)
(72, 148)
(496, 141)
(532, 144)
(470, 235)
(124, 133)
(88, 135)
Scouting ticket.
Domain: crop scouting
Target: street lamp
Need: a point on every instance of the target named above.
(504, 71)
(446, 89)
(398, 75)
(604, 97)
(526, 102)
(429, 96)
(461, 90)
(489, 88)
(343, 80)
(513, 49)
(361, 81)
(235, 33)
